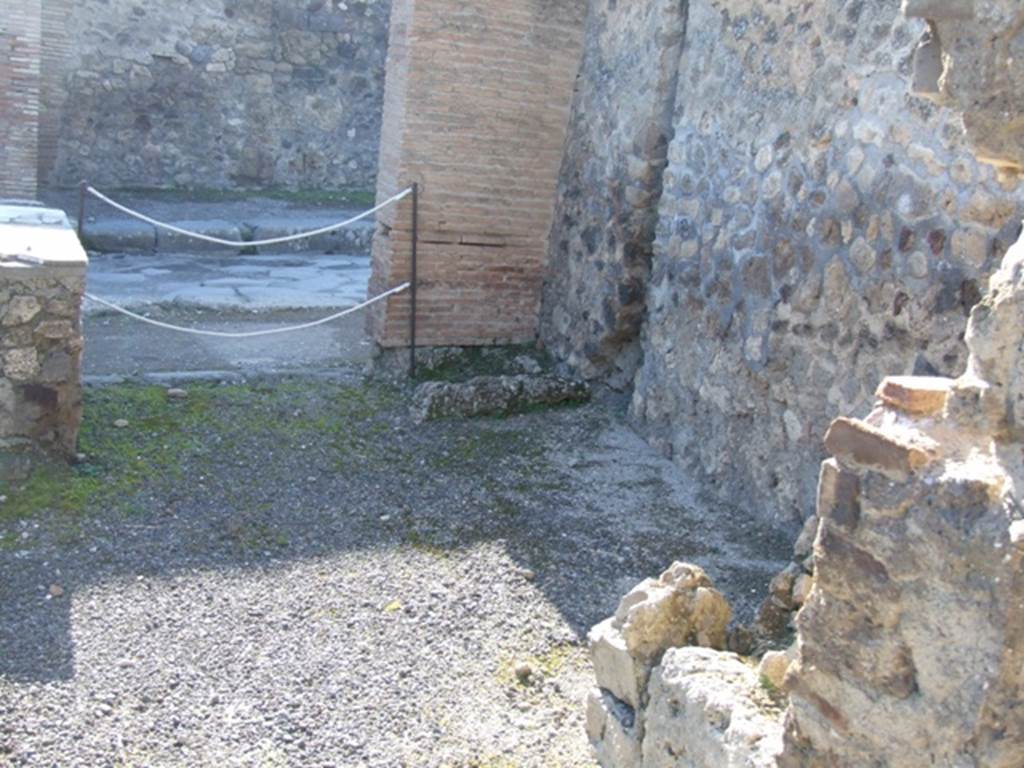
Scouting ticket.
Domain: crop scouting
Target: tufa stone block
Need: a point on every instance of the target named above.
(838, 496)
(614, 731)
(856, 442)
(919, 395)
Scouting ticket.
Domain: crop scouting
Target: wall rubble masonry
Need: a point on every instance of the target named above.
(42, 278)
(475, 110)
(816, 228)
(608, 189)
(911, 640)
(212, 93)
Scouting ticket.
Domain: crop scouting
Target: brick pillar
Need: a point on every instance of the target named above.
(20, 43)
(475, 109)
(56, 57)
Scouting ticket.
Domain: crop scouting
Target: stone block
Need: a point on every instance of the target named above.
(838, 496)
(774, 665)
(613, 730)
(945, 10)
(616, 669)
(167, 241)
(680, 608)
(805, 541)
(493, 395)
(119, 236)
(20, 309)
(918, 395)
(708, 710)
(855, 442)
(802, 589)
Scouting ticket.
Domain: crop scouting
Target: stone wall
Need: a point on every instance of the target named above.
(817, 227)
(912, 638)
(20, 31)
(213, 93)
(42, 277)
(610, 181)
(475, 111)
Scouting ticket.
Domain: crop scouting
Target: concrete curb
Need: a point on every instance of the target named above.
(129, 236)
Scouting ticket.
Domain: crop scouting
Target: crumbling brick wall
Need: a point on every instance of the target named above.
(20, 38)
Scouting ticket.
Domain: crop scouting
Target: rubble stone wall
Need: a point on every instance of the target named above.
(603, 232)
(213, 93)
(817, 228)
(42, 278)
(910, 641)
(20, 36)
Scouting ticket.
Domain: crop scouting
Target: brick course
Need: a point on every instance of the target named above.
(20, 42)
(475, 110)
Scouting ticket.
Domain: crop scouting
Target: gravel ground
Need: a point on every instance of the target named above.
(290, 572)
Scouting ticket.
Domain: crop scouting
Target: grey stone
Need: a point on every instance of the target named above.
(494, 395)
(615, 668)
(613, 730)
(707, 710)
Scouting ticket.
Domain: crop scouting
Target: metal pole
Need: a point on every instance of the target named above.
(81, 208)
(412, 282)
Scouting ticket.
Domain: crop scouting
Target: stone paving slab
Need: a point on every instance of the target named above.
(255, 282)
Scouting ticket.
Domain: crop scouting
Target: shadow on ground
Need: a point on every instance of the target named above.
(298, 516)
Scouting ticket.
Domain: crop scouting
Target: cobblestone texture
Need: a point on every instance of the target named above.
(817, 228)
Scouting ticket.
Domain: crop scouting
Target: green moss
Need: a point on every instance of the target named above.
(769, 686)
(118, 460)
(162, 434)
(467, 362)
(487, 444)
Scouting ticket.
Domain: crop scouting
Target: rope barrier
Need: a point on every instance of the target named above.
(246, 334)
(244, 243)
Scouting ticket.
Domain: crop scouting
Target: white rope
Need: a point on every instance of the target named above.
(246, 334)
(246, 243)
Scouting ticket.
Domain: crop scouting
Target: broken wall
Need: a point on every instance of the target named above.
(214, 93)
(817, 227)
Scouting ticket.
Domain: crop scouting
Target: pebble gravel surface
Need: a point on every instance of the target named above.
(290, 572)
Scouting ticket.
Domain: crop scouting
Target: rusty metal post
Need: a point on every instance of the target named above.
(412, 281)
(81, 208)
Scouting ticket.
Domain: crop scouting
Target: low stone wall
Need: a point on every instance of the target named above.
(42, 277)
(212, 93)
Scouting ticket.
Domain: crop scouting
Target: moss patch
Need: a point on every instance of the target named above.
(551, 663)
(460, 364)
(162, 435)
